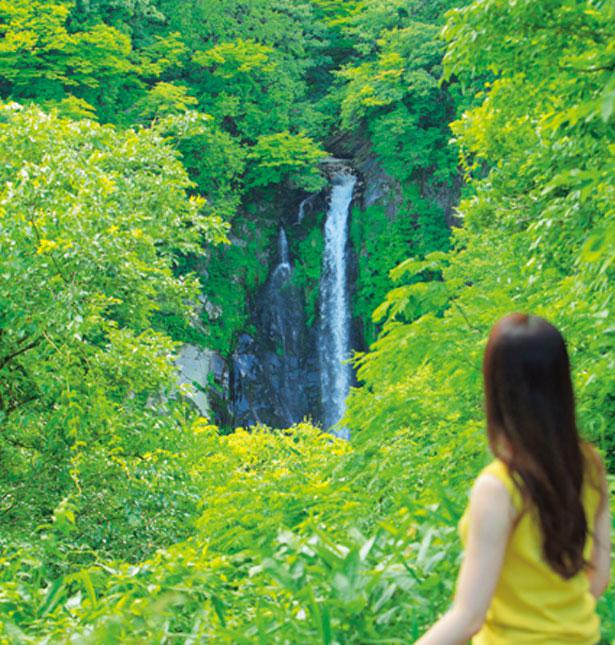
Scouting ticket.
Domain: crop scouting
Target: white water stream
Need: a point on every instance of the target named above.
(283, 266)
(334, 346)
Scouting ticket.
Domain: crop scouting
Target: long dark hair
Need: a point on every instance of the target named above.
(530, 409)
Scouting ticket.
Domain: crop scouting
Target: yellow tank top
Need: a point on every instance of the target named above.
(531, 603)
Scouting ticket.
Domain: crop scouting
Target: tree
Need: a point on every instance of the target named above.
(92, 221)
(42, 60)
(537, 231)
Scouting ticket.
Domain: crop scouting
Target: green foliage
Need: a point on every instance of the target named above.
(129, 16)
(273, 558)
(166, 98)
(283, 155)
(300, 538)
(235, 271)
(395, 90)
(122, 518)
(244, 62)
(73, 108)
(88, 233)
(43, 60)
(215, 162)
(308, 265)
(545, 202)
(382, 240)
(264, 71)
(242, 85)
(550, 192)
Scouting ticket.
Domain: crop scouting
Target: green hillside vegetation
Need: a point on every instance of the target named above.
(143, 148)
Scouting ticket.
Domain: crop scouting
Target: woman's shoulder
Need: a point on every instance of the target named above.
(491, 503)
(498, 469)
(491, 490)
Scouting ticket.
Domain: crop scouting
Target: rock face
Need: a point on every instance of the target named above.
(193, 365)
(273, 372)
(376, 184)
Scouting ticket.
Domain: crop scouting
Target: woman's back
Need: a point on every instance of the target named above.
(532, 603)
(537, 531)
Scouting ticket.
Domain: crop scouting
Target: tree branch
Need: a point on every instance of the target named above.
(19, 351)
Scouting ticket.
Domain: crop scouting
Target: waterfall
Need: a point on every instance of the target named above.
(283, 255)
(277, 297)
(285, 370)
(334, 342)
(302, 206)
(301, 213)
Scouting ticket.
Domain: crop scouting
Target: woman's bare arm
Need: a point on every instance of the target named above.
(491, 519)
(600, 571)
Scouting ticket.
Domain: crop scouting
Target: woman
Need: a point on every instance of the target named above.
(536, 532)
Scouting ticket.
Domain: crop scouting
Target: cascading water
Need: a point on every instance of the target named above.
(283, 256)
(303, 205)
(287, 369)
(334, 341)
(282, 329)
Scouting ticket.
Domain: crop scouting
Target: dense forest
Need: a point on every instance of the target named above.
(163, 163)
